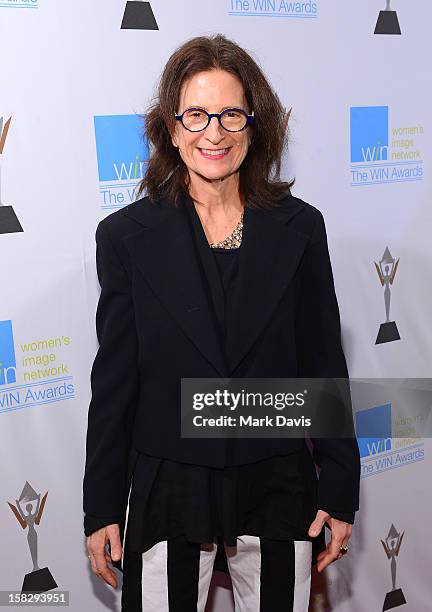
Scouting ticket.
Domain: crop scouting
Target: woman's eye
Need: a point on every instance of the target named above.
(194, 114)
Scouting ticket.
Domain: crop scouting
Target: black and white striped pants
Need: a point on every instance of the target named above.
(174, 576)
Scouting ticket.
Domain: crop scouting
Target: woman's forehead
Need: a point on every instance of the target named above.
(214, 85)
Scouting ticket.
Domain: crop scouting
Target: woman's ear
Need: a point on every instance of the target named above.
(174, 138)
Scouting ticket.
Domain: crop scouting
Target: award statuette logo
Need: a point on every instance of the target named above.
(9, 223)
(40, 579)
(138, 15)
(392, 544)
(386, 269)
(388, 22)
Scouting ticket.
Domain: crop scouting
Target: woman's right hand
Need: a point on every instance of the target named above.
(99, 555)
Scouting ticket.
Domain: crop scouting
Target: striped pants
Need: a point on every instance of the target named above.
(174, 576)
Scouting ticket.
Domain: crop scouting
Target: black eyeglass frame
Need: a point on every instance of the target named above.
(249, 118)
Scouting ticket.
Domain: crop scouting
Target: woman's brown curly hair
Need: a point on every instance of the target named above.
(166, 174)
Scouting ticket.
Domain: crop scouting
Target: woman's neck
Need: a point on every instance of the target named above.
(218, 197)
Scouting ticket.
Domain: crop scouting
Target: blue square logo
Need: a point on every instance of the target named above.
(121, 148)
(369, 131)
(374, 430)
(7, 354)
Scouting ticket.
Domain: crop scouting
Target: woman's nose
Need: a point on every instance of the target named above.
(214, 129)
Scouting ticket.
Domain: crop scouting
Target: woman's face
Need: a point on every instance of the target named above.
(213, 91)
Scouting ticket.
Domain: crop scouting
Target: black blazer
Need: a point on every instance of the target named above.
(155, 326)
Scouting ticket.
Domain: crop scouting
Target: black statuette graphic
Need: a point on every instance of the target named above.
(138, 15)
(40, 579)
(392, 544)
(9, 223)
(386, 270)
(388, 22)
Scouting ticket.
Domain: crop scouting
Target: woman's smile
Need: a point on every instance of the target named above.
(214, 153)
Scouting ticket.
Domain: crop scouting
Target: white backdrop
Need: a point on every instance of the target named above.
(64, 63)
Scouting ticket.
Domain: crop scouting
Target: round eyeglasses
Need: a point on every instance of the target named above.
(231, 119)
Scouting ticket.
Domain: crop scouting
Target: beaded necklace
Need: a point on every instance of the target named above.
(232, 241)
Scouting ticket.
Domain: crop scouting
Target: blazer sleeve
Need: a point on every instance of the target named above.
(114, 386)
(320, 355)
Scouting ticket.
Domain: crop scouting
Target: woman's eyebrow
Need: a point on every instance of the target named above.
(222, 109)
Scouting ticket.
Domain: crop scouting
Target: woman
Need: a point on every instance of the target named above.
(218, 272)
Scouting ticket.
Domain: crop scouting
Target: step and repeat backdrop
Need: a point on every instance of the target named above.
(75, 80)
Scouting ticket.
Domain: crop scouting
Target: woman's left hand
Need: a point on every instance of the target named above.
(340, 534)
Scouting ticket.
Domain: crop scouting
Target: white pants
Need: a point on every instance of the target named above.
(175, 575)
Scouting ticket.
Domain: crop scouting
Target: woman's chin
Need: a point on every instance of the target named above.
(215, 175)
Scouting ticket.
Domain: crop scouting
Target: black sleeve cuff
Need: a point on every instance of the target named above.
(347, 517)
(93, 523)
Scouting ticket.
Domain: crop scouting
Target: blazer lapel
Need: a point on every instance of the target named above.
(164, 251)
(269, 255)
